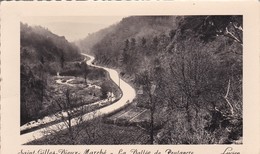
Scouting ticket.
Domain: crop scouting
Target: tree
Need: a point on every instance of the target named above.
(192, 71)
(32, 87)
(126, 45)
(62, 59)
(229, 26)
(155, 42)
(210, 27)
(172, 33)
(70, 114)
(93, 130)
(43, 76)
(146, 81)
(143, 42)
(85, 70)
(201, 77)
(133, 43)
(105, 87)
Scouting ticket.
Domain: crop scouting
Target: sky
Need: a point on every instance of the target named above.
(73, 27)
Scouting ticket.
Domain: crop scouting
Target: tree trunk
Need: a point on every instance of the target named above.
(226, 98)
(152, 127)
(189, 117)
(152, 109)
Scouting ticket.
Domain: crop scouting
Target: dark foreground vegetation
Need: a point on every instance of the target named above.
(187, 71)
(185, 68)
(96, 132)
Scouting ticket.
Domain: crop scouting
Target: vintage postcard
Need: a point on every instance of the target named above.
(130, 77)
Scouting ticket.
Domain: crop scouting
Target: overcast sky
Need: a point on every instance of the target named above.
(73, 28)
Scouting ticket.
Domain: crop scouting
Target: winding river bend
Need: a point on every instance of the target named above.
(128, 94)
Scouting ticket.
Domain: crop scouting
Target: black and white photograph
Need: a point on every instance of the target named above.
(132, 77)
(110, 80)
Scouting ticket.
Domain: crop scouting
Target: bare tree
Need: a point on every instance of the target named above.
(93, 129)
(70, 114)
(145, 79)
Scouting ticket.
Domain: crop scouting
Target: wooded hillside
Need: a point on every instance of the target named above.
(42, 54)
(195, 63)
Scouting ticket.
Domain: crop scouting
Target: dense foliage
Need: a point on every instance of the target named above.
(195, 65)
(42, 53)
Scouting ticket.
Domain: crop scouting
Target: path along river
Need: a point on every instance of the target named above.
(128, 94)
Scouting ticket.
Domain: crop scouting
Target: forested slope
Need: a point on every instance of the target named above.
(42, 54)
(87, 43)
(195, 63)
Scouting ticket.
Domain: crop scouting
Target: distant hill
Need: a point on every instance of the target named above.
(85, 45)
(38, 43)
(130, 27)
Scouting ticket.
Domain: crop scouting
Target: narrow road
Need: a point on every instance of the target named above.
(128, 94)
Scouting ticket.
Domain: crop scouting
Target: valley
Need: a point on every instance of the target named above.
(144, 80)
